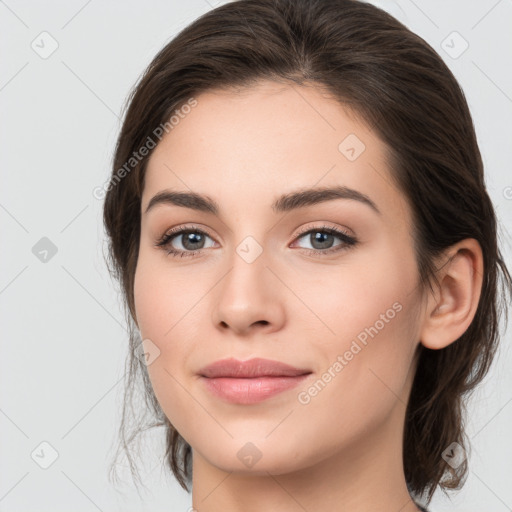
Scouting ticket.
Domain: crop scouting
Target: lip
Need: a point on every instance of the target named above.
(251, 368)
(252, 381)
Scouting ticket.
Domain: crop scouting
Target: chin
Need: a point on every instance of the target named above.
(253, 457)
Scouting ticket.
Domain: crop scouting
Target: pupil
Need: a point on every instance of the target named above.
(320, 237)
(192, 238)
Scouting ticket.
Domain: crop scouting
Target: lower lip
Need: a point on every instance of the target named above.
(250, 391)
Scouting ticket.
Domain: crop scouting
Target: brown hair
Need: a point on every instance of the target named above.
(400, 86)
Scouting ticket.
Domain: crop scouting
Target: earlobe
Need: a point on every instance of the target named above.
(451, 309)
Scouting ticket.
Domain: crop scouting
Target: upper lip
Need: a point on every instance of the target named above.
(251, 368)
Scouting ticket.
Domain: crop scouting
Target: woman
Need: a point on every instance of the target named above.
(298, 218)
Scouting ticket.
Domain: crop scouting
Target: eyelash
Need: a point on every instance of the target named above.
(164, 241)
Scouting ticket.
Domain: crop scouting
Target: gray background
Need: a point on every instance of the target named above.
(63, 340)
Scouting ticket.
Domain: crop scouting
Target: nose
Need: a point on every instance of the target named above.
(249, 298)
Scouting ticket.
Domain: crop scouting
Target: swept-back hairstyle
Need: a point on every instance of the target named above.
(402, 89)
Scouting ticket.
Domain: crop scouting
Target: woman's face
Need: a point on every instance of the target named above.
(266, 280)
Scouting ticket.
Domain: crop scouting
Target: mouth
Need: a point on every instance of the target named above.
(248, 382)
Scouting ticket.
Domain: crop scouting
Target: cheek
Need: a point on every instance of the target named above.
(159, 307)
(368, 315)
(147, 300)
(161, 298)
(364, 376)
(348, 298)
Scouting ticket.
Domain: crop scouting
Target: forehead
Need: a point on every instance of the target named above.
(253, 144)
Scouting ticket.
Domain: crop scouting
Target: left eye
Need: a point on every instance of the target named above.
(322, 239)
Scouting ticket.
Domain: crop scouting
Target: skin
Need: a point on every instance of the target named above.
(343, 449)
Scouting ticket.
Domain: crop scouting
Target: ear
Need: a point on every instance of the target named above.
(451, 309)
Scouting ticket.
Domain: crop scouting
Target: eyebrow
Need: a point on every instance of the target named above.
(285, 203)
